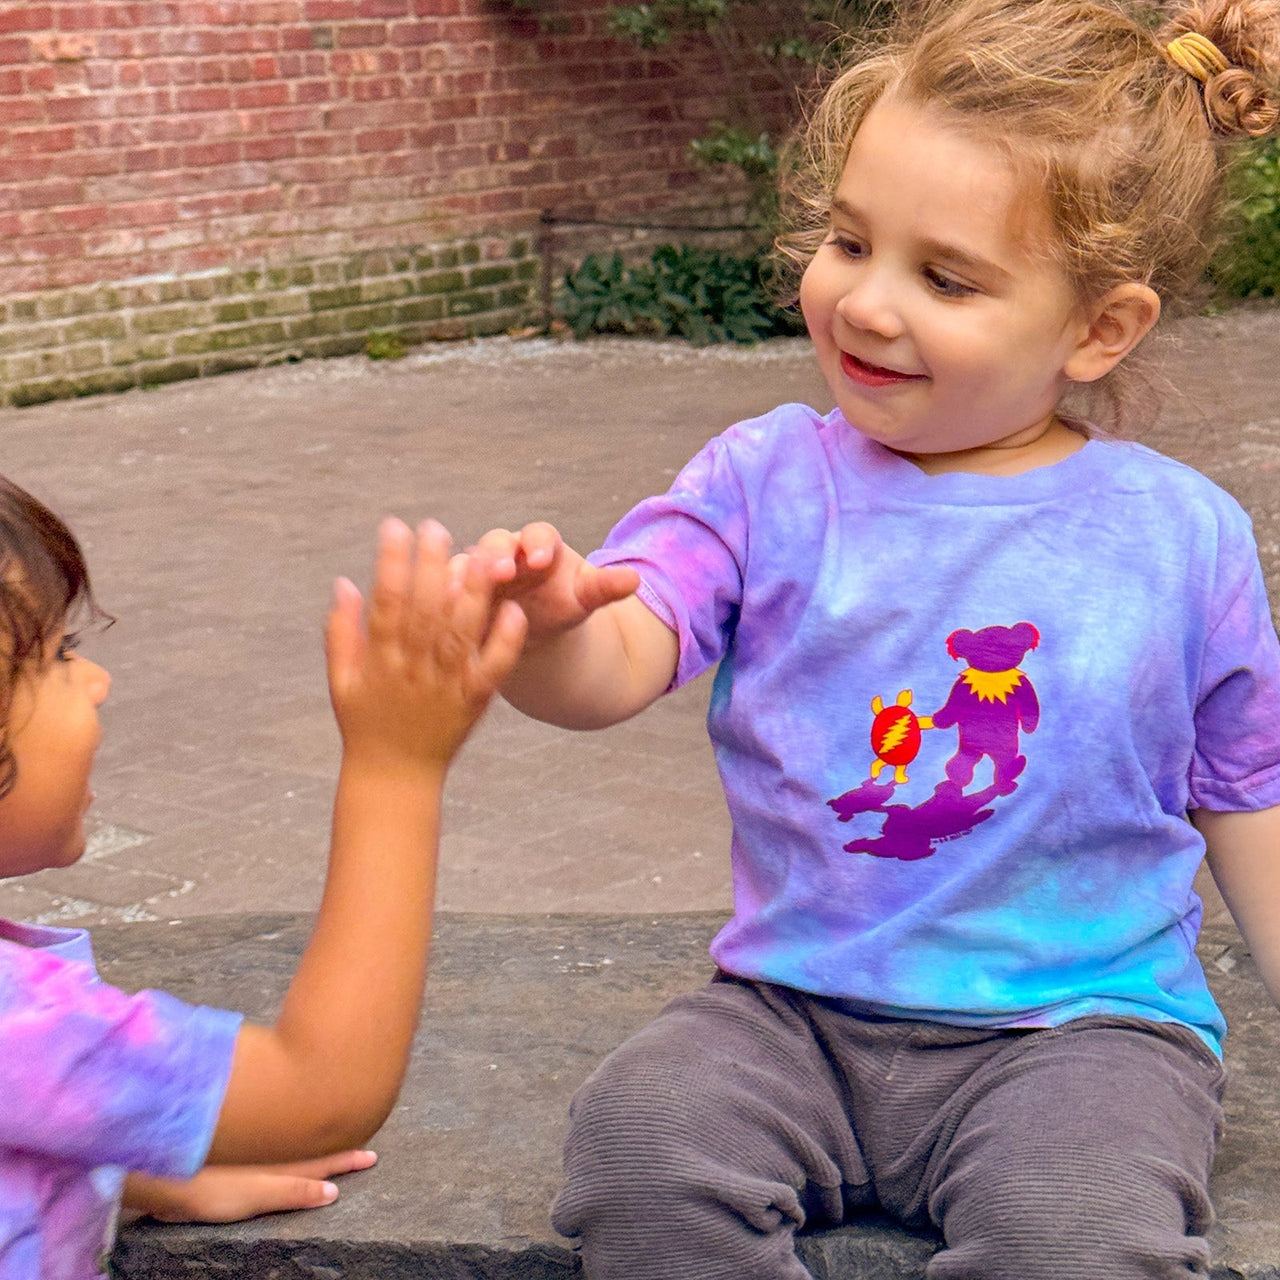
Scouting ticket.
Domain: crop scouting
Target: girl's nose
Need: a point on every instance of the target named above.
(97, 681)
(869, 304)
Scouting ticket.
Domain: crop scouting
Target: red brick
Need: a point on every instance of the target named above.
(26, 17)
(203, 99)
(311, 91)
(206, 155)
(381, 140)
(277, 147)
(260, 95)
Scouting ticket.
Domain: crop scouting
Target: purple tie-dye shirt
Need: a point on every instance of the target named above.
(960, 718)
(93, 1082)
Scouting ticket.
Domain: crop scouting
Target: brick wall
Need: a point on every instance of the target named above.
(187, 185)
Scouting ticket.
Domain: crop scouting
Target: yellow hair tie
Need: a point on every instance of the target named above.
(1197, 55)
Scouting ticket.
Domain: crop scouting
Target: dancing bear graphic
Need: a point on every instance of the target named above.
(991, 704)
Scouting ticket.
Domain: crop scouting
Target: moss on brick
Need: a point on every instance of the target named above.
(230, 362)
(137, 351)
(381, 290)
(468, 304)
(515, 296)
(325, 299)
(442, 282)
(24, 339)
(100, 327)
(170, 319)
(161, 330)
(177, 371)
(312, 326)
(419, 309)
(497, 274)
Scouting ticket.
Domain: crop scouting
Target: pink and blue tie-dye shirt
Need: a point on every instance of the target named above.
(93, 1082)
(959, 719)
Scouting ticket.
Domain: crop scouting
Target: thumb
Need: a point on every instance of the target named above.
(599, 587)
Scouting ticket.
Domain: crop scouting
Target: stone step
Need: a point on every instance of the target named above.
(519, 1009)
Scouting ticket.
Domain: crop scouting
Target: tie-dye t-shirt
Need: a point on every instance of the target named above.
(92, 1082)
(959, 719)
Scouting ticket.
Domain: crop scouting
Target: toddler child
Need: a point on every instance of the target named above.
(94, 1082)
(989, 680)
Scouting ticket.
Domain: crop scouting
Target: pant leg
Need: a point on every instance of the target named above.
(699, 1147)
(1083, 1154)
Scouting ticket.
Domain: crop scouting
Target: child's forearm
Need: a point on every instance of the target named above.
(1244, 857)
(325, 1076)
(610, 666)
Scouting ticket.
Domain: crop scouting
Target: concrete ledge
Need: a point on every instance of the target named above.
(519, 1010)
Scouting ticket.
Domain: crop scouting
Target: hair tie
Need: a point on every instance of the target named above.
(1197, 55)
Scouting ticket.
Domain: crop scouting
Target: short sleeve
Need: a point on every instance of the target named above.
(91, 1075)
(689, 546)
(1236, 765)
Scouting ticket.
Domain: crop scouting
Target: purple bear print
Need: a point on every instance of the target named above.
(991, 704)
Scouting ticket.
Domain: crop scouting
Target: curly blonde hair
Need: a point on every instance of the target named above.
(1128, 149)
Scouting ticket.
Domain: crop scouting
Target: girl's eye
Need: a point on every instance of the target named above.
(946, 286)
(67, 647)
(847, 245)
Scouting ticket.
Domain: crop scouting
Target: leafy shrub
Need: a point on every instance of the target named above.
(1248, 265)
(699, 294)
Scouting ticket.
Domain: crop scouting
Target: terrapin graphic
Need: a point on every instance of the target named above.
(991, 704)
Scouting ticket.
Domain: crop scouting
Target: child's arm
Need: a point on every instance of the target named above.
(1244, 857)
(595, 654)
(405, 691)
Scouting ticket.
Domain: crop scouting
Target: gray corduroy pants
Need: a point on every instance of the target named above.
(745, 1112)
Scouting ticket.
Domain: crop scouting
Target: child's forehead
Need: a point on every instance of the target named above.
(931, 159)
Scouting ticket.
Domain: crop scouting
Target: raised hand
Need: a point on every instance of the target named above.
(555, 587)
(408, 682)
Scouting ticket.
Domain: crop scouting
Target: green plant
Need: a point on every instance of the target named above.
(1248, 265)
(384, 346)
(702, 295)
(757, 43)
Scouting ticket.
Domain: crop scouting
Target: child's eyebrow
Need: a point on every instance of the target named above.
(940, 249)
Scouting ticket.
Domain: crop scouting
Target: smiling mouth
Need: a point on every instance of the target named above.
(874, 375)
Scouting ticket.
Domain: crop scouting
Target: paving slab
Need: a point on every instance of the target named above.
(215, 515)
(519, 1009)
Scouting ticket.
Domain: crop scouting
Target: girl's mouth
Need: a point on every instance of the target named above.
(873, 375)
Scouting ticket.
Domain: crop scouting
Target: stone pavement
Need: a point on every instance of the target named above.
(215, 514)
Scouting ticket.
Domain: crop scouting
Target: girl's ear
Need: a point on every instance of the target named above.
(1119, 321)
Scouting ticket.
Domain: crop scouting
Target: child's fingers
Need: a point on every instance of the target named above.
(249, 1193)
(539, 543)
(343, 637)
(497, 550)
(502, 645)
(472, 602)
(430, 589)
(327, 1166)
(392, 578)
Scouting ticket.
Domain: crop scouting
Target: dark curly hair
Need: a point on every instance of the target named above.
(44, 583)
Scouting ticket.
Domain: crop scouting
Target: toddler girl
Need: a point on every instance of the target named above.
(978, 664)
(94, 1082)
